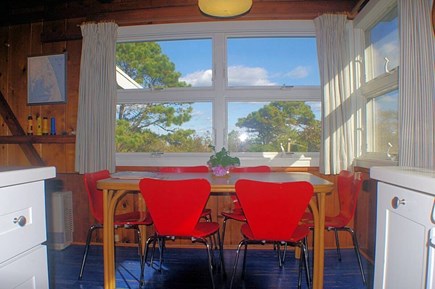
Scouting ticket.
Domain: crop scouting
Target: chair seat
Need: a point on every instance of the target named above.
(201, 230)
(336, 221)
(300, 232)
(133, 218)
(205, 229)
(236, 214)
(206, 212)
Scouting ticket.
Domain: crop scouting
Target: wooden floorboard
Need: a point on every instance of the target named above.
(187, 268)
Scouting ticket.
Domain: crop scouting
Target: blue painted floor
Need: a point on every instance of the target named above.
(187, 268)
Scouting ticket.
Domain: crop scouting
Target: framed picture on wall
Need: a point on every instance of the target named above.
(46, 79)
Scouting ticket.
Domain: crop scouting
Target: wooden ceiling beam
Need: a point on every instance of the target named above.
(164, 11)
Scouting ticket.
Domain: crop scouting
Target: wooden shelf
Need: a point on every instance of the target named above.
(61, 139)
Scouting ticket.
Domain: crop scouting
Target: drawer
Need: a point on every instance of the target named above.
(28, 270)
(22, 218)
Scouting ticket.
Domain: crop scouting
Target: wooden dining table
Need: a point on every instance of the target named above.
(124, 182)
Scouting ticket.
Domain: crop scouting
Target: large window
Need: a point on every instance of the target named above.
(380, 135)
(251, 87)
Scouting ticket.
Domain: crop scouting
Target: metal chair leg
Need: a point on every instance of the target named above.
(245, 253)
(357, 253)
(306, 261)
(235, 262)
(337, 243)
(88, 243)
(224, 224)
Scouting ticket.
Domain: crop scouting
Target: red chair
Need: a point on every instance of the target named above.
(132, 220)
(176, 210)
(273, 212)
(349, 186)
(206, 213)
(237, 212)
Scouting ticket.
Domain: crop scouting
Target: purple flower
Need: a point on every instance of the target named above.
(219, 171)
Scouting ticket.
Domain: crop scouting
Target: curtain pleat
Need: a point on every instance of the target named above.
(416, 85)
(337, 149)
(95, 144)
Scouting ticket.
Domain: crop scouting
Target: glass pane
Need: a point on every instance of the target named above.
(164, 127)
(384, 39)
(385, 136)
(164, 64)
(277, 61)
(278, 126)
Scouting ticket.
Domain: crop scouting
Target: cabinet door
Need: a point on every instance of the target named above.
(22, 218)
(28, 270)
(403, 223)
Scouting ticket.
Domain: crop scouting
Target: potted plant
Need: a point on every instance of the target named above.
(221, 162)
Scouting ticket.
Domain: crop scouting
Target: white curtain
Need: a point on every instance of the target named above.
(95, 145)
(337, 141)
(416, 85)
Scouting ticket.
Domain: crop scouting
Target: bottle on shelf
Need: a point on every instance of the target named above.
(30, 125)
(38, 125)
(53, 126)
(45, 126)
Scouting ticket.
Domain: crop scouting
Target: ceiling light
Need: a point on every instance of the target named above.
(224, 8)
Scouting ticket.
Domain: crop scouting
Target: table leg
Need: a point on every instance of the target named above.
(110, 200)
(319, 241)
(108, 241)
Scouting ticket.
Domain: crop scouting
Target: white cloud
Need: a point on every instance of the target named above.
(298, 72)
(198, 78)
(238, 75)
(245, 76)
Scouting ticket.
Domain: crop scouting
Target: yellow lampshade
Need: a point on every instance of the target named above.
(224, 8)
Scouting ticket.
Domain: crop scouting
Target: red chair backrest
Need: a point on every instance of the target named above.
(174, 207)
(95, 195)
(349, 185)
(256, 169)
(189, 169)
(273, 210)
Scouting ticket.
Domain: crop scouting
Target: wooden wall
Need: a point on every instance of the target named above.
(21, 40)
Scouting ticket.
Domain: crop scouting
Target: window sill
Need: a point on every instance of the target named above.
(370, 162)
(248, 159)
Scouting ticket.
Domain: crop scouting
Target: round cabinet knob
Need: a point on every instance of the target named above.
(21, 221)
(396, 202)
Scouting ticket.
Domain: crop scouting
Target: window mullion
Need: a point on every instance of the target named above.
(219, 82)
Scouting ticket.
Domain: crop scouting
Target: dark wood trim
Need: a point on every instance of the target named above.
(16, 129)
(13, 139)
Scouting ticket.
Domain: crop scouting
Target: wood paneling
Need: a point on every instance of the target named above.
(365, 217)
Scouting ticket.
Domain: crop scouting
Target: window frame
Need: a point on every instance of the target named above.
(371, 88)
(218, 32)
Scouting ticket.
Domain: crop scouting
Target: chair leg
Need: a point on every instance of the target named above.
(88, 243)
(210, 263)
(147, 244)
(236, 260)
(357, 253)
(300, 273)
(210, 257)
(245, 253)
(224, 224)
(141, 257)
(306, 261)
(337, 242)
(221, 255)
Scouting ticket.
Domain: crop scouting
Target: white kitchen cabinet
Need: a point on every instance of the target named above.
(405, 203)
(23, 256)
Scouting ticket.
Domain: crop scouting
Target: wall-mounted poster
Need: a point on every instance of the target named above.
(46, 79)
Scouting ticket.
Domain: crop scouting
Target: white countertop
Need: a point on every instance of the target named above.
(417, 179)
(10, 176)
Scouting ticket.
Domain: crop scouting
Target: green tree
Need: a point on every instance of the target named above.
(280, 122)
(146, 64)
